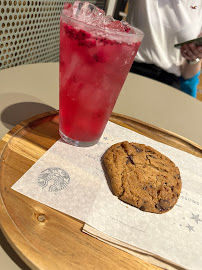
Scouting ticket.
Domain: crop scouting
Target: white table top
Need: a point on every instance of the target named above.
(32, 89)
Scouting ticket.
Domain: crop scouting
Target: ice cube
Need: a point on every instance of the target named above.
(96, 17)
(67, 5)
(116, 25)
(127, 27)
(68, 9)
(87, 12)
(80, 10)
(76, 8)
(107, 20)
(92, 15)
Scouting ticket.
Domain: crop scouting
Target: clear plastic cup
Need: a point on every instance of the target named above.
(94, 63)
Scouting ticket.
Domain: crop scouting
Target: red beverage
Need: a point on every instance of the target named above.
(94, 63)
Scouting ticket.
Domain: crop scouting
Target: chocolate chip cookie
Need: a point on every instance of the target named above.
(143, 177)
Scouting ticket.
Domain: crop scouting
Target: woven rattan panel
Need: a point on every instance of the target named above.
(29, 31)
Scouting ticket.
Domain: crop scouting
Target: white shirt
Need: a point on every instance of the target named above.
(165, 23)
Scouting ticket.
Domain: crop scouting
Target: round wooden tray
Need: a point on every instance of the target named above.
(43, 237)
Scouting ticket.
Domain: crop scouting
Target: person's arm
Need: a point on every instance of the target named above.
(191, 52)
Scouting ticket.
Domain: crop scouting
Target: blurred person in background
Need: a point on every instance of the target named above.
(166, 23)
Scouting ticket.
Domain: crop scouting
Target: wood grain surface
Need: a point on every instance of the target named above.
(43, 237)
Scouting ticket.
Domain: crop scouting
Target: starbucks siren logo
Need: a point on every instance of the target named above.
(55, 178)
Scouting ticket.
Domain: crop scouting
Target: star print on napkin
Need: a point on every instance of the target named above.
(196, 218)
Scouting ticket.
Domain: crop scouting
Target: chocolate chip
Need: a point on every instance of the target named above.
(137, 149)
(151, 156)
(162, 205)
(177, 194)
(149, 151)
(145, 187)
(177, 176)
(157, 206)
(142, 208)
(130, 158)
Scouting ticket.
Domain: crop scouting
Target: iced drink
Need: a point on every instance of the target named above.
(96, 53)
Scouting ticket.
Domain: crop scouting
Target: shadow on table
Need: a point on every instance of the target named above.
(16, 113)
(11, 253)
